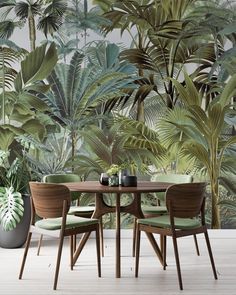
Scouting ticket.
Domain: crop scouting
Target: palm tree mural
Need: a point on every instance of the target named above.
(80, 19)
(48, 14)
(199, 135)
(167, 37)
(77, 92)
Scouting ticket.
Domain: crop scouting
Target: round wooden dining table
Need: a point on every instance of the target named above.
(102, 208)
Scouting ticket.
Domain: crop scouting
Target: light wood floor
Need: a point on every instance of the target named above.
(196, 271)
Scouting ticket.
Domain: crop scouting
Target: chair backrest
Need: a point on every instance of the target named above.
(173, 178)
(60, 178)
(48, 199)
(185, 200)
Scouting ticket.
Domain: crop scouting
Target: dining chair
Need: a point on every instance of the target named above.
(185, 204)
(160, 208)
(82, 211)
(51, 202)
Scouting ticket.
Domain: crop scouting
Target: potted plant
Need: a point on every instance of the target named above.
(112, 172)
(14, 201)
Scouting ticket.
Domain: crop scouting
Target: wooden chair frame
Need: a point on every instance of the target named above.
(85, 214)
(52, 201)
(177, 179)
(183, 201)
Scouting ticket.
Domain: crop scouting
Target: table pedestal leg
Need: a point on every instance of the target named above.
(118, 235)
(100, 209)
(135, 209)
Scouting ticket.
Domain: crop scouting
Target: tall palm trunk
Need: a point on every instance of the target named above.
(140, 104)
(32, 31)
(73, 148)
(215, 214)
(140, 111)
(214, 176)
(3, 90)
(77, 34)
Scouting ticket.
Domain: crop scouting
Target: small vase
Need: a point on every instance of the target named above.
(122, 173)
(113, 180)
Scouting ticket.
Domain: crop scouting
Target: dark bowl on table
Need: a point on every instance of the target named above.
(129, 180)
(104, 179)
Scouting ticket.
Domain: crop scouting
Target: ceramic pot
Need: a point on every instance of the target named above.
(104, 178)
(130, 180)
(16, 238)
(113, 180)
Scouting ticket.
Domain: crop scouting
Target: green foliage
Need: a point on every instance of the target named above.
(79, 19)
(108, 146)
(11, 208)
(14, 179)
(49, 16)
(78, 94)
(52, 156)
(38, 64)
(227, 202)
(205, 141)
(113, 169)
(20, 104)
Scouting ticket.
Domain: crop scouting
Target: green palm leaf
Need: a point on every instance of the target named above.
(189, 95)
(193, 149)
(228, 91)
(39, 64)
(216, 116)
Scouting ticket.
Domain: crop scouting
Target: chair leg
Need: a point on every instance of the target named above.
(98, 251)
(74, 243)
(177, 262)
(101, 236)
(71, 251)
(25, 255)
(164, 251)
(162, 246)
(39, 244)
(211, 255)
(137, 253)
(58, 261)
(134, 236)
(196, 245)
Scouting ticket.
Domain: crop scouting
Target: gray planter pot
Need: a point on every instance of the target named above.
(17, 237)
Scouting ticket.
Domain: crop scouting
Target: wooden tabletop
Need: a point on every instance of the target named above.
(96, 187)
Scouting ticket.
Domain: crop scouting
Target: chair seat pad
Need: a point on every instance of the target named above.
(71, 222)
(154, 209)
(81, 209)
(164, 222)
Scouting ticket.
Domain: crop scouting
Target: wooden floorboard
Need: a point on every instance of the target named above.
(196, 271)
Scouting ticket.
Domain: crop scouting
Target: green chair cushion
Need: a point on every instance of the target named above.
(81, 209)
(154, 209)
(71, 222)
(164, 222)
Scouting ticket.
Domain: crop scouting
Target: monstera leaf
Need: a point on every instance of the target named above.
(11, 208)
